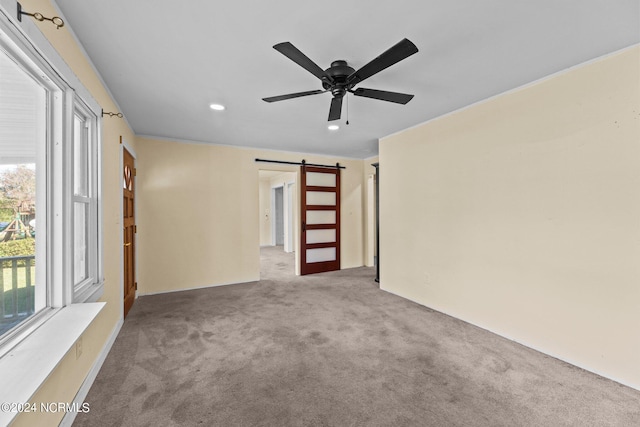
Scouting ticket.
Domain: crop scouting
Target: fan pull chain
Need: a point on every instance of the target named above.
(347, 109)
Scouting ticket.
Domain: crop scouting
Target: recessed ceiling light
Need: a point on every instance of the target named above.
(333, 127)
(217, 107)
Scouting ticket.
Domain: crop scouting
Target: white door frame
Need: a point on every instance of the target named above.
(288, 213)
(273, 213)
(289, 231)
(371, 220)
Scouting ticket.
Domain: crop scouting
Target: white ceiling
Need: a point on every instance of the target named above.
(165, 61)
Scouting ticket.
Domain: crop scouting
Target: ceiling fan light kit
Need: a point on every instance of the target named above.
(340, 78)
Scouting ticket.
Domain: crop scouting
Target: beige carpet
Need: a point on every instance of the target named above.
(332, 350)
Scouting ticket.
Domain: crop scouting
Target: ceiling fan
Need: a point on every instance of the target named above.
(340, 78)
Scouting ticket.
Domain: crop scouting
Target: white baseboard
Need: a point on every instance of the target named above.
(198, 287)
(526, 344)
(70, 416)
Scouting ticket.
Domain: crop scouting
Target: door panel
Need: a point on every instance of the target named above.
(128, 222)
(321, 236)
(321, 217)
(316, 179)
(321, 255)
(321, 198)
(320, 204)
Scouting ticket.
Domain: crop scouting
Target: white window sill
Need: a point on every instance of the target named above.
(26, 366)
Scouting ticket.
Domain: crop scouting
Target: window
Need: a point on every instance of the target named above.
(85, 201)
(23, 121)
(50, 229)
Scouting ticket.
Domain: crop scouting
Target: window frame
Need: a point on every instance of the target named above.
(51, 93)
(65, 95)
(82, 291)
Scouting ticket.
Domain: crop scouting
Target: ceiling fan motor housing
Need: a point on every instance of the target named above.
(339, 71)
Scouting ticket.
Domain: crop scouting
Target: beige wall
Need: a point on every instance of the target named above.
(199, 216)
(521, 215)
(64, 382)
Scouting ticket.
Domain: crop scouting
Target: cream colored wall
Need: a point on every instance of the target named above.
(64, 382)
(521, 215)
(199, 213)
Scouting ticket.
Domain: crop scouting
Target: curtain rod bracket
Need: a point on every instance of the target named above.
(118, 115)
(56, 20)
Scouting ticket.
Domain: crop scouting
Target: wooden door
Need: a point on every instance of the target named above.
(320, 214)
(129, 225)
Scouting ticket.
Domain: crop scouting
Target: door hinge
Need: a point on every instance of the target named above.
(135, 229)
(135, 171)
(136, 285)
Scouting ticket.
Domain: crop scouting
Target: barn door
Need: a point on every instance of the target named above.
(320, 214)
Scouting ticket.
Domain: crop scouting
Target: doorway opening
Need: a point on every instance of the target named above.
(370, 260)
(277, 223)
(278, 219)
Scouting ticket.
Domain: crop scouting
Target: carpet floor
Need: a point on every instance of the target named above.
(332, 350)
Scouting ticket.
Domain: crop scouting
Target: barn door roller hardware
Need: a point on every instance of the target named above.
(302, 163)
(56, 20)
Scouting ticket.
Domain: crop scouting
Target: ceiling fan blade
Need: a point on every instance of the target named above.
(383, 95)
(397, 53)
(336, 109)
(294, 54)
(292, 95)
